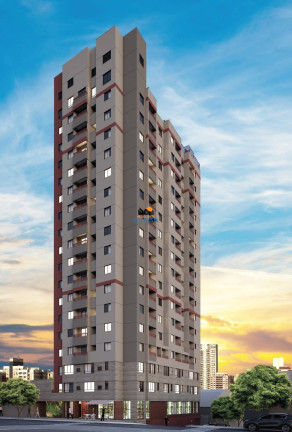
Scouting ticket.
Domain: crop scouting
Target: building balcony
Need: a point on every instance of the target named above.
(152, 303)
(79, 100)
(79, 339)
(80, 321)
(80, 136)
(79, 156)
(79, 119)
(152, 266)
(80, 302)
(79, 247)
(80, 266)
(80, 176)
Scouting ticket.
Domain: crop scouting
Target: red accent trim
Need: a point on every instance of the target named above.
(109, 88)
(76, 106)
(57, 227)
(151, 287)
(152, 141)
(109, 127)
(168, 130)
(188, 190)
(152, 104)
(116, 281)
(168, 163)
(75, 145)
(192, 165)
(191, 311)
(74, 290)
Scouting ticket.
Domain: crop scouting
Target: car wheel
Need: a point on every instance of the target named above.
(285, 428)
(252, 427)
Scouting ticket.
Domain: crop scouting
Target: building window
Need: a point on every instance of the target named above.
(108, 327)
(70, 172)
(107, 346)
(107, 95)
(107, 230)
(159, 234)
(60, 95)
(70, 225)
(60, 114)
(107, 250)
(141, 251)
(106, 77)
(107, 288)
(70, 82)
(141, 136)
(60, 198)
(107, 153)
(70, 261)
(160, 199)
(141, 98)
(106, 57)
(70, 136)
(60, 130)
(69, 370)
(70, 279)
(141, 194)
(107, 307)
(70, 190)
(93, 92)
(107, 114)
(60, 301)
(107, 211)
(127, 410)
(89, 386)
(70, 101)
(107, 192)
(141, 289)
(159, 148)
(141, 155)
(107, 172)
(141, 386)
(70, 208)
(141, 328)
(70, 243)
(141, 60)
(159, 268)
(88, 368)
(141, 118)
(107, 269)
(160, 166)
(93, 72)
(141, 308)
(141, 232)
(141, 367)
(159, 250)
(159, 319)
(141, 347)
(107, 133)
(70, 315)
(70, 118)
(151, 386)
(60, 353)
(141, 175)
(141, 271)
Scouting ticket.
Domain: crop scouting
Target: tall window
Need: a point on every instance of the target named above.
(106, 77)
(107, 56)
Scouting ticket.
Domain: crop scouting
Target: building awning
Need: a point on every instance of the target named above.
(99, 402)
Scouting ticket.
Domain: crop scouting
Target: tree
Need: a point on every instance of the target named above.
(261, 388)
(19, 393)
(225, 409)
(54, 409)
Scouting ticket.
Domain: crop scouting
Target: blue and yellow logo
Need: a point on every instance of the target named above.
(145, 216)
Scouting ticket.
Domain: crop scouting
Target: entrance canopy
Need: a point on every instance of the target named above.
(99, 402)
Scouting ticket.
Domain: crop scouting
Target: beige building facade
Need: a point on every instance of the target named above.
(127, 242)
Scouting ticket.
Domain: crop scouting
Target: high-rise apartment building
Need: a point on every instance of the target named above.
(127, 242)
(209, 366)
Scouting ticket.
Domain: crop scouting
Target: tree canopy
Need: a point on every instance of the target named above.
(225, 409)
(19, 393)
(261, 388)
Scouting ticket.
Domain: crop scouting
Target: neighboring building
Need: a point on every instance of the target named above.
(209, 365)
(16, 369)
(207, 397)
(3, 377)
(127, 291)
(278, 362)
(223, 381)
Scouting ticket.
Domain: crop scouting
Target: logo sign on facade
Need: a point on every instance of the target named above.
(145, 216)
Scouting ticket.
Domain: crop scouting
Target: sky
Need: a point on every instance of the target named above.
(221, 72)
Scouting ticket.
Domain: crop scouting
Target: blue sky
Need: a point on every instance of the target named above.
(221, 71)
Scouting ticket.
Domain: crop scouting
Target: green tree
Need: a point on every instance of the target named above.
(19, 393)
(262, 387)
(54, 409)
(225, 409)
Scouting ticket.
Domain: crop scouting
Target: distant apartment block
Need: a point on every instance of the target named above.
(223, 381)
(16, 369)
(209, 365)
(127, 242)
